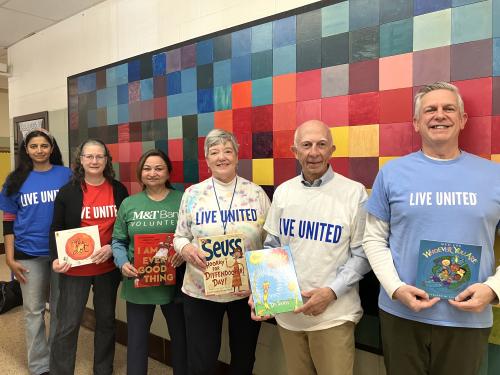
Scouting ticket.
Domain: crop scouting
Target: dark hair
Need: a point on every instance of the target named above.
(78, 171)
(16, 178)
(142, 161)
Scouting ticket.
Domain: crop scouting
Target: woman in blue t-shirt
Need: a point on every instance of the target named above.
(27, 202)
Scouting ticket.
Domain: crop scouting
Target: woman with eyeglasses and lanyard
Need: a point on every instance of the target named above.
(202, 215)
(27, 202)
(92, 197)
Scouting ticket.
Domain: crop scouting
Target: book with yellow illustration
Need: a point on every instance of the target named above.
(76, 246)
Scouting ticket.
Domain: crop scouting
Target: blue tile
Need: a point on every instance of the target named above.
(159, 64)
(471, 22)
(122, 113)
(496, 57)
(134, 70)
(496, 19)
(262, 91)
(335, 19)
(204, 52)
(173, 83)
(428, 6)
(262, 37)
(182, 104)
(188, 80)
(112, 115)
(86, 83)
(111, 97)
(284, 32)
(284, 60)
(363, 13)
(147, 89)
(222, 72)
(205, 100)
(395, 10)
(205, 124)
(241, 69)
(101, 98)
(457, 3)
(241, 42)
(111, 77)
(121, 74)
(222, 98)
(122, 94)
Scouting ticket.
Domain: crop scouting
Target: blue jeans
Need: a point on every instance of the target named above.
(41, 283)
(74, 293)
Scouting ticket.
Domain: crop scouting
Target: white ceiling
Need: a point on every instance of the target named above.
(21, 18)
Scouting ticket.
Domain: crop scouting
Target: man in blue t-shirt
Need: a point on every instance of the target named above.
(442, 194)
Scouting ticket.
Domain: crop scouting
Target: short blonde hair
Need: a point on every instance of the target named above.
(219, 136)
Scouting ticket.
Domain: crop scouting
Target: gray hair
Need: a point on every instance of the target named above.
(218, 136)
(437, 86)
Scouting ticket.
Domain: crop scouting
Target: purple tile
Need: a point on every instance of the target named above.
(425, 72)
(363, 170)
(188, 56)
(363, 77)
(245, 168)
(134, 91)
(471, 60)
(174, 60)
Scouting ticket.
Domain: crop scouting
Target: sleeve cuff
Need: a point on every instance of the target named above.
(179, 243)
(339, 287)
(119, 253)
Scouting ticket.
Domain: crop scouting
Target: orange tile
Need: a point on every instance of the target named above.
(223, 120)
(396, 72)
(242, 94)
(284, 116)
(284, 88)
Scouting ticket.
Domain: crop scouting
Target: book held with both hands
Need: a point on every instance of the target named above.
(273, 279)
(76, 246)
(226, 270)
(446, 269)
(153, 259)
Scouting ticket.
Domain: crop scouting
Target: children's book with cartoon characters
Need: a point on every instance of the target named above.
(273, 280)
(153, 259)
(76, 246)
(226, 270)
(446, 269)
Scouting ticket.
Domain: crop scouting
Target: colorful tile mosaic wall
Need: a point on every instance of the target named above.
(354, 64)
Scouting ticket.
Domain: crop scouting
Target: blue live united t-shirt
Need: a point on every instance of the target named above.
(456, 201)
(33, 206)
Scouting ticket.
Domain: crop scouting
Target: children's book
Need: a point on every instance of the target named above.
(76, 246)
(153, 259)
(446, 269)
(273, 280)
(226, 270)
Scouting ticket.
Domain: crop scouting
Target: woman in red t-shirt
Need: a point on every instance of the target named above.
(92, 197)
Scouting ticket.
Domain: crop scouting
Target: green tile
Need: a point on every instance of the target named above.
(222, 97)
(471, 22)
(496, 19)
(148, 145)
(175, 127)
(432, 30)
(116, 168)
(262, 91)
(262, 64)
(396, 37)
(191, 171)
(493, 359)
(335, 19)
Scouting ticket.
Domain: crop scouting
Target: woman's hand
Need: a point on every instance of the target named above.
(60, 267)
(191, 255)
(18, 270)
(102, 255)
(129, 270)
(177, 260)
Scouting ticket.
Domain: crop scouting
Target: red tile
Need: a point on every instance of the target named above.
(335, 111)
(284, 169)
(242, 94)
(223, 120)
(495, 135)
(284, 116)
(396, 105)
(363, 76)
(309, 85)
(364, 108)
(396, 139)
(113, 151)
(135, 151)
(135, 187)
(160, 108)
(124, 153)
(242, 120)
(476, 136)
(282, 142)
(262, 118)
(147, 110)
(123, 133)
(284, 88)
(177, 175)
(203, 171)
(363, 170)
(477, 96)
(201, 148)
(340, 165)
(308, 110)
(245, 141)
(496, 96)
(175, 149)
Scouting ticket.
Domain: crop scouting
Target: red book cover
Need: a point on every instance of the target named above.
(153, 259)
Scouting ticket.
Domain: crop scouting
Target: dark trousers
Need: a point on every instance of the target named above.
(139, 319)
(414, 348)
(74, 293)
(203, 328)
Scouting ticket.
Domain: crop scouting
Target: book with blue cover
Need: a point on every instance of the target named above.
(446, 269)
(273, 280)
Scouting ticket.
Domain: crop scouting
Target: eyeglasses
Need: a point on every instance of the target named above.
(90, 157)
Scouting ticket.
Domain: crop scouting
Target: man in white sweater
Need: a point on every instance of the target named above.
(320, 215)
(423, 334)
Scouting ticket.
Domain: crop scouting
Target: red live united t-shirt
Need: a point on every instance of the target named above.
(98, 209)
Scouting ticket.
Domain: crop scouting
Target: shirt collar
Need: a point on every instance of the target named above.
(327, 177)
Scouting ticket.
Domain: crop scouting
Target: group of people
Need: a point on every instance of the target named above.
(420, 334)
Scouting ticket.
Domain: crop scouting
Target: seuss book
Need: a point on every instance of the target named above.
(273, 280)
(226, 270)
(153, 259)
(446, 269)
(76, 246)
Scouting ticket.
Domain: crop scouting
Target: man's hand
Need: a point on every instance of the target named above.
(474, 299)
(253, 315)
(102, 255)
(319, 299)
(60, 267)
(191, 255)
(414, 298)
(17, 269)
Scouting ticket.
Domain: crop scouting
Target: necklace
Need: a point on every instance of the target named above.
(224, 223)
